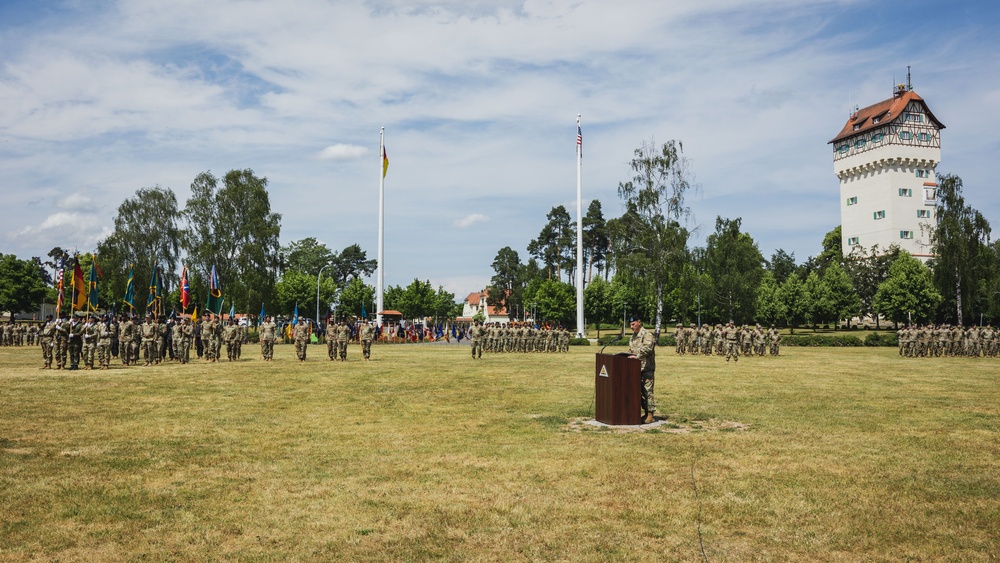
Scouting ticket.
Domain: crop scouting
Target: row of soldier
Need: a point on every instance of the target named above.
(517, 337)
(338, 334)
(68, 341)
(730, 341)
(944, 340)
(17, 334)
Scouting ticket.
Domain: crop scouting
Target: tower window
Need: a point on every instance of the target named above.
(853, 200)
(843, 148)
(877, 137)
(924, 137)
(923, 213)
(905, 192)
(905, 135)
(922, 173)
(878, 215)
(906, 234)
(860, 143)
(853, 241)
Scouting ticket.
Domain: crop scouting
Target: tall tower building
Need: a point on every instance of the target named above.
(886, 157)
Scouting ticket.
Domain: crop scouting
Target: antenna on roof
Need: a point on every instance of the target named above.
(909, 86)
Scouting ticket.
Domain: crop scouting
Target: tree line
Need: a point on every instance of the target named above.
(227, 223)
(645, 264)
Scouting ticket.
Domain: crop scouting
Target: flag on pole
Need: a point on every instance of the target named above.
(60, 295)
(154, 304)
(92, 296)
(185, 289)
(295, 315)
(232, 310)
(364, 314)
(214, 303)
(385, 161)
(194, 315)
(130, 290)
(260, 319)
(79, 289)
(579, 139)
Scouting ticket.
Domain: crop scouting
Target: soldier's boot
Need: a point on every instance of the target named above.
(648, 419)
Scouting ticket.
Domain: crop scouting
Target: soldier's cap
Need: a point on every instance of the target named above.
(634, 318)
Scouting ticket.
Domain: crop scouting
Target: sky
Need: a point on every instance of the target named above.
(479, 100)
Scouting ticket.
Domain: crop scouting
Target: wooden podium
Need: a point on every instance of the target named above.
(618, 398)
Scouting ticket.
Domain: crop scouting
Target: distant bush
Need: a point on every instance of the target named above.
(881, 339)
(253, 336)
(579, 342)
(821, 340)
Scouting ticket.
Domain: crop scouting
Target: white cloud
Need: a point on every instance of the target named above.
(342, 152)
(470, 220)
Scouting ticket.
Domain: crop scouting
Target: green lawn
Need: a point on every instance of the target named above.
(847, 454)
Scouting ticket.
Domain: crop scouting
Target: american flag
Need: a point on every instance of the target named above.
(579, 140)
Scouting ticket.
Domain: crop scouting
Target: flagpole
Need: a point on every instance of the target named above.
(579, 230)
(381, 209)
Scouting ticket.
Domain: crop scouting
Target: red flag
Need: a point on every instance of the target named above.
(185, 289)
(59, 284)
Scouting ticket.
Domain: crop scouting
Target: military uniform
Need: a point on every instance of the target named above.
(476, 339)
(61, 342)
(731, 334)
(75, 343)
(367, 336)
(267, 332)
(47, 338)
(230, 334)
(343, 336)
(301, 340)
(105, 331)
(642, 345)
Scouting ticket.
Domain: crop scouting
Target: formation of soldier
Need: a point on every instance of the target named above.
(518, 337)
(18, 334)
(925, 341)
(730, 341)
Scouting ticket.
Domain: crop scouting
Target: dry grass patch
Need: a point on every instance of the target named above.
(850, 454)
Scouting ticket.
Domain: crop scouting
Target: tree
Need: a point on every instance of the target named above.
(445, 307)
(352, 262)
(735, 266)
(867, 269)
(648, 241)
(415, 301)
(844, 301)
(959, 243)
(770, 307)
(232, 227)
(555, 301)
(796, 299)
(22, 286)
(832, 250)
(782, 265)
(820, 308)
(908, 294)
(554, 245)
(307, 256)
(146, 234)
(595, 238)
(357, 298)
(597, 302)
(297, 288)
(507, 284)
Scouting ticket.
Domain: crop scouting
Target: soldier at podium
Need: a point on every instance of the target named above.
(642, 345)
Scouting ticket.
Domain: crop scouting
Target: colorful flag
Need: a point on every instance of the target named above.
(260, 319)
(92, 296)
(214, 303)
(295, 315)
(79, 289)
(385, 162)
(130, 290)
(60, 294)
(194, 315)
(364, 314)
(232, 311)
(185, 289)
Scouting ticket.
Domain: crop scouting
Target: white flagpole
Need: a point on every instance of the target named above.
(579, 231)
(381, 211)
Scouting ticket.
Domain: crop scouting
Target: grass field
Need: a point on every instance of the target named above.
(821, 454)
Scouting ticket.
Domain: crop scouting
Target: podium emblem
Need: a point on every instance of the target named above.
(604, 371)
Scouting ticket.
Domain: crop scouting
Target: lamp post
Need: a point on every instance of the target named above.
(317, 292)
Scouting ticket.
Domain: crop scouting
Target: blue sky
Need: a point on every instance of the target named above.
(479, 100)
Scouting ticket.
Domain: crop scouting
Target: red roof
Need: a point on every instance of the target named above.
(474, 297)
(882, 113)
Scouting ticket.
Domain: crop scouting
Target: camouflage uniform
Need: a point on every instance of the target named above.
(642, 345)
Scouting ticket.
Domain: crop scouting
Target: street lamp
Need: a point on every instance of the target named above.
(317, 293)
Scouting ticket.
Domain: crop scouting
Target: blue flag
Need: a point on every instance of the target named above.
(261, 319)
(295, 315)
(232, 310)
(364, 314)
